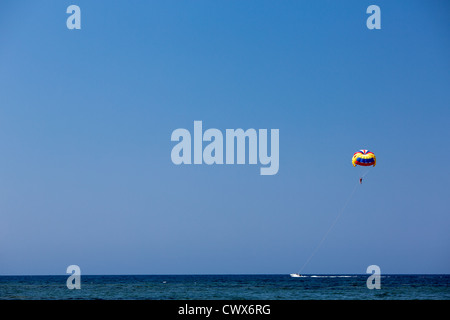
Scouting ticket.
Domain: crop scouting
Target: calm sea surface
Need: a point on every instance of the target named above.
(226, 287)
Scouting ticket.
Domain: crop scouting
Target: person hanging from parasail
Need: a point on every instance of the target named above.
(364, 158)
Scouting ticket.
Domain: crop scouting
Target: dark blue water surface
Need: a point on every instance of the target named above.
(227, 287)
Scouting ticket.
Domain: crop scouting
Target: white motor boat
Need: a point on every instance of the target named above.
(296, 275)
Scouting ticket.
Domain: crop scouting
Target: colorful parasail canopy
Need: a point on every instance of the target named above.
(364, 158)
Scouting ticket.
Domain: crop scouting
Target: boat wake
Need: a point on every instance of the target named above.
(333, 276)
(296, 275)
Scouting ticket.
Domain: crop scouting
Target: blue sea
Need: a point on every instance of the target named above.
(226, 287)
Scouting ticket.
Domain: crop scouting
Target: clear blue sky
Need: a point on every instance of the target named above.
(86, 117)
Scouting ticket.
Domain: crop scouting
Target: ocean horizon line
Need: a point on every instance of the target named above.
(221, 274)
